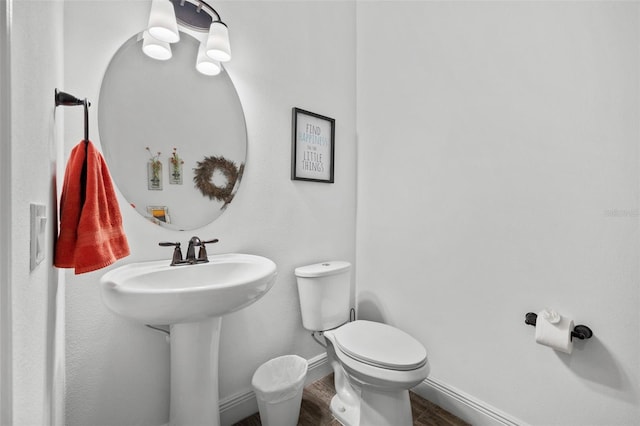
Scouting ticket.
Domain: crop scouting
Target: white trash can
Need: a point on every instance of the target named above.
(278, 385)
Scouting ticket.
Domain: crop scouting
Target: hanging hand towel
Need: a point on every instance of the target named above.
(91, 233)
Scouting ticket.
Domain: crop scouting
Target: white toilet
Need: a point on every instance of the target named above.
(374, 364)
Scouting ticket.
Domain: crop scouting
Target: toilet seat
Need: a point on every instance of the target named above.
(380, 345)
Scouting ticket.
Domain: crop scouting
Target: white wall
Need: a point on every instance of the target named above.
(498, 174)
(284, 56)
(37, 355)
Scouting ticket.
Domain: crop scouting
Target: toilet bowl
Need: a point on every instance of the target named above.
(374, 364)
(383, 363)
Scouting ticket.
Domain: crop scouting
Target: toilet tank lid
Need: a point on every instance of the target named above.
(322, 269)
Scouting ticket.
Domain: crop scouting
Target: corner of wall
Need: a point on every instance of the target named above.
(6, 402)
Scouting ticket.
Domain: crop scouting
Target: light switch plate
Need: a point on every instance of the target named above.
(38, 234)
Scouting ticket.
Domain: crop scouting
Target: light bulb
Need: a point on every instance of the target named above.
(205, 64)
(162, 21)
(218, 46)
(154, 48)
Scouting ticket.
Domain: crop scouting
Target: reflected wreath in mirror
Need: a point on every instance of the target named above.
(216, 178)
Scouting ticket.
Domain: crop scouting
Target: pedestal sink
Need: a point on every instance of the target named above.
(191, 299)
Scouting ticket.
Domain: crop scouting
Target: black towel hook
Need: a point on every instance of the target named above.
(65, 99)
(86, 119)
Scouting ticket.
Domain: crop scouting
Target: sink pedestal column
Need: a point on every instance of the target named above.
(194, 373)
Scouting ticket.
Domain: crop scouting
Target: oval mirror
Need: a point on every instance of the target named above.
(175, 140)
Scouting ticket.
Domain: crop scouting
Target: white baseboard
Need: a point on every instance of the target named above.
(464, 406)
(243, 404)
(318, 368)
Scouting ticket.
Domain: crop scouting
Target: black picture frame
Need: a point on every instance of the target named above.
(313, 146)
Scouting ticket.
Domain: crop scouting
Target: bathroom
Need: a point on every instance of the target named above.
(486, 166)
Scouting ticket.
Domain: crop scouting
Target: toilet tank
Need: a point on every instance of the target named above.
(324, 290)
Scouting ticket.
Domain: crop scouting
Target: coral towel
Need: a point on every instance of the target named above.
(91, 233)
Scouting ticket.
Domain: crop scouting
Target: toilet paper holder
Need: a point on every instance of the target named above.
(581, 332)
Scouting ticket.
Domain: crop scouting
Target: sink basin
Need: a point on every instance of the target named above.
(191, 299)
(156, 293)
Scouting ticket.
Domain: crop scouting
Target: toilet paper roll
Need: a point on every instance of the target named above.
(555, 335)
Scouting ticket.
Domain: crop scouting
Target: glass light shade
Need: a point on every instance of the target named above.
(162, 21)
(218, 46)
(205, 64)
(155, 49)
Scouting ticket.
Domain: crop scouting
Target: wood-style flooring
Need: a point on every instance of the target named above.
(315, 409)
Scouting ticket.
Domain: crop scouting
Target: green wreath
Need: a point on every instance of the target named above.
(204, 172)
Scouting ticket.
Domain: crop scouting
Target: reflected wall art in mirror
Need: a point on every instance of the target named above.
(175, 140)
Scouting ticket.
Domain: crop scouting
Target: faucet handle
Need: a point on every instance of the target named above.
(177, 253)
(202, 253)
(168, 244)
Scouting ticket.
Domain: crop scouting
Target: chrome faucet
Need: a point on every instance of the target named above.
(191, 258)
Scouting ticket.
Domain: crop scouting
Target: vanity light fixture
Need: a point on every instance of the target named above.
(194, 15)
(162, 21)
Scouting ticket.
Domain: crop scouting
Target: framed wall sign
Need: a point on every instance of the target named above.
(312, 152)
